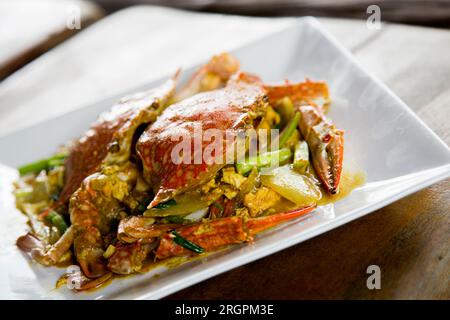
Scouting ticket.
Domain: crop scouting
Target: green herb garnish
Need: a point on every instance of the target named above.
(166, 204)
(142, 206)
(55, 196)
(289, 130)
(263, 160)
(186, 243)
(53, 163)
(57, 220)
(44, 164)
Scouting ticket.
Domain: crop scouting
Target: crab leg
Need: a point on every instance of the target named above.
(138, 227)
(128, 257)
(224, 231)
(211, 76)
(302, 91)
(325, 141)
(257, 225)
(88, 246)
(38, 251)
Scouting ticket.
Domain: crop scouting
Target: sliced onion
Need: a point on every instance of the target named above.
(197, 215)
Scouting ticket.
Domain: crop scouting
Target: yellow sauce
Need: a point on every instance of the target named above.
(349, 182)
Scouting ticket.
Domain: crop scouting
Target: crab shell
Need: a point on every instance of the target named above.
(107, 145)
(110, 137)
(229, 109)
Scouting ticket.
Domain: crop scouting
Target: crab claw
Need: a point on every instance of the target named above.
(326, 144)
(324, 140)
(217, 233)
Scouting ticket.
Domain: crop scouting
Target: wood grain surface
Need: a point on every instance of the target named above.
(408, 239)
(422, 12)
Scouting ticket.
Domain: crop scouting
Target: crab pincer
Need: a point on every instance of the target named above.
(326, 144)
(325, 141)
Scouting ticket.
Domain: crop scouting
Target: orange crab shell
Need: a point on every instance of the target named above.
(110, 136)
(231, 108)
(217, 233)
(301, 91)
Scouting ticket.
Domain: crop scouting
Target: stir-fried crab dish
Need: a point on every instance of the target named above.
(182, 172)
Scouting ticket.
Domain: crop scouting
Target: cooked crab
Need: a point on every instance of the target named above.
(102, 157)
(101, 173)
(144, 183)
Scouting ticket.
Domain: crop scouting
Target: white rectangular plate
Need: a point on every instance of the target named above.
(384, 139)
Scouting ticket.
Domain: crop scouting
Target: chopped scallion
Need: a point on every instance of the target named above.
(186, 243)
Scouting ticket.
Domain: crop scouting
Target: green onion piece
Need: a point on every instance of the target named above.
(264, 160)
(57, 220)
(52, 163)
(301, 157)
(55, 196)
(289, 130)
(174, 219)
(33, 167)
(40, 165)
(166, 204)
(186, 243)
(286, 109)
(143, 206)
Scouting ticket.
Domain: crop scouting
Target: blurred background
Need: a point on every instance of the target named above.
(434, 13)
(29, 28)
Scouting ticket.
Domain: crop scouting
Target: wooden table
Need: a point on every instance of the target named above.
(417, 12)
(409, 239)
